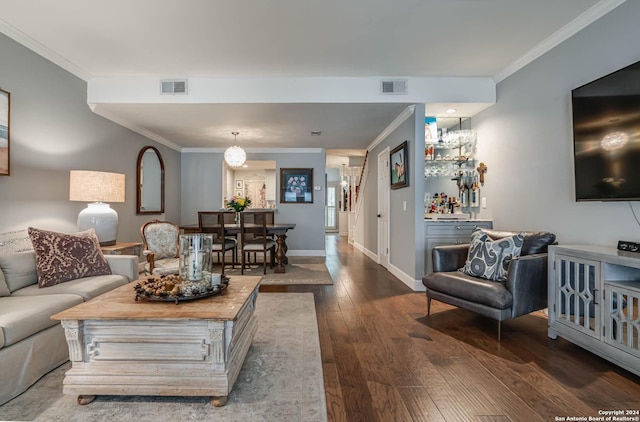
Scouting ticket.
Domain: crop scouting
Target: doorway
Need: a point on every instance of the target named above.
(383, 208)
(331, 208)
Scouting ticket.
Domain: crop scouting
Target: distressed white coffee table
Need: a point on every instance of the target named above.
(118, 346)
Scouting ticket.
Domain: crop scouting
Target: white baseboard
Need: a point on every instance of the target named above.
(415, 285)
(306, 252)
(371, 255)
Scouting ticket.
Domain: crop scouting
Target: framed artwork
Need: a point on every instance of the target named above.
(5, 106)
(239, 194)
(399, 166)
(296, 186)
(239, 184)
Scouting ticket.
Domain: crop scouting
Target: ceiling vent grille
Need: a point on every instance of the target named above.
(173, 87)
(393, 87)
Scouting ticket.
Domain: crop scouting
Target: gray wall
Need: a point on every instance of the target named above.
(202, 190)
(333, 175)
(406, 239)
(52, 132)
(526, 138)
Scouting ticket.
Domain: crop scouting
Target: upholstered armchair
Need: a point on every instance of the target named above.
(523, 291)
(161, 247)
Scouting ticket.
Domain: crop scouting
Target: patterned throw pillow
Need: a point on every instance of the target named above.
(489, 258)
(62, 257)
(15, 241)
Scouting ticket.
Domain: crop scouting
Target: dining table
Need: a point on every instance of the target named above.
(277, 229)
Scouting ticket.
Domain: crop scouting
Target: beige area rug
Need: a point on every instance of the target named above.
(300, 270)
(281, 380)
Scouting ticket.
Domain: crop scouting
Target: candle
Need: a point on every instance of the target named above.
(195, 260)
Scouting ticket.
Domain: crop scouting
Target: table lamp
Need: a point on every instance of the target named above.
(97, 188)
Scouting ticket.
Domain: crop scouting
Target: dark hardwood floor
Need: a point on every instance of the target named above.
(385, 360)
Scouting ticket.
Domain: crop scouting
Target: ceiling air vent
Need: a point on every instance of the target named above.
(393, 87)
(173, 87)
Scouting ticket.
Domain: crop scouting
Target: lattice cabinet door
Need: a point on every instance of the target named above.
(622, 322)
(577, 303)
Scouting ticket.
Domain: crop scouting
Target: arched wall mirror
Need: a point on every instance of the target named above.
(150, 179)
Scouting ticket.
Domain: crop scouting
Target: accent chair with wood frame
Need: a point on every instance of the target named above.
(160, 244)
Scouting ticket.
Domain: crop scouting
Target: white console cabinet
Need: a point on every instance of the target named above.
(594, 297)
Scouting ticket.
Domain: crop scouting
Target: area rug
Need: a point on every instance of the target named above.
(300, 270)
(281, 380)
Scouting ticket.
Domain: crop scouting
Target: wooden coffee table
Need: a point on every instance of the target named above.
(118, 346)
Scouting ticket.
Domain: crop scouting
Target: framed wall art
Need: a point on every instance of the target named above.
(5, 108)
(296, 186)
(239, 184)
(399, 164)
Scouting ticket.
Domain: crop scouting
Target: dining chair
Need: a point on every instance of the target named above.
(160, 244)
(212, 222)
(253, 238)
(269, 218)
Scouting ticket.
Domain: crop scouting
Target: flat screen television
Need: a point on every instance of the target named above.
(606, 137)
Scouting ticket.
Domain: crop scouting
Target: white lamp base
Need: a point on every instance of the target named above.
(103, 219)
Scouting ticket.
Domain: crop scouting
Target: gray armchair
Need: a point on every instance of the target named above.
(524, 291)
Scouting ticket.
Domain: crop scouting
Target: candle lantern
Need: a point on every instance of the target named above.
(195, 257)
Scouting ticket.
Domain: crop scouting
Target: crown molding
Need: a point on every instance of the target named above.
(585, 19)
(40, 49)
(127, 124)
(406, 113)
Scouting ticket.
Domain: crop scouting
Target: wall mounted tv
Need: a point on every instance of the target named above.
(606, 137)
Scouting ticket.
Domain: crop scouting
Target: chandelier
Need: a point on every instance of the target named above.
(235, 156)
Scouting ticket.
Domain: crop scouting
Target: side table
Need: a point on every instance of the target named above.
(125, 248)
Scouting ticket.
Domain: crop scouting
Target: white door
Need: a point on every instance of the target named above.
(331, 209)
(383, 208)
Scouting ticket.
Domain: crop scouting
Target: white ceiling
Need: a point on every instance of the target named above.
(287, 39)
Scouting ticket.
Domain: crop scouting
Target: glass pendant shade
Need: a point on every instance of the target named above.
(235, 156)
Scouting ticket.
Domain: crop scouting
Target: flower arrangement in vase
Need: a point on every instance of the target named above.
(238, 204)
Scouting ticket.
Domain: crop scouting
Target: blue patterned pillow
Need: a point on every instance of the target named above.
(489, 258)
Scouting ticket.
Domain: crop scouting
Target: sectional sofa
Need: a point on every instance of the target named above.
(31, 343)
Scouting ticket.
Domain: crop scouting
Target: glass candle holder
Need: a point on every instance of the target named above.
(195, 257)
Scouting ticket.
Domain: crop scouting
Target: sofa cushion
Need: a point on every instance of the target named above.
(534, 242)
(21, 317)
(165, 266)
(473, 289)
(489, 259)
(15, 241)
(19, 269)
(62, 257)
(4, 289)
(87, 287)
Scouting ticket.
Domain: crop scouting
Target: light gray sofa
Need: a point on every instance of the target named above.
(31, 343)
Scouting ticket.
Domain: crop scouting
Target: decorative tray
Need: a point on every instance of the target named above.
(169, 288)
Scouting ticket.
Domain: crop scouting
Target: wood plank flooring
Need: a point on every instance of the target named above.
(385, 360)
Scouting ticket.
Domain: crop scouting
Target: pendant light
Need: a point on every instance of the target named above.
(235, 156)
(343, 177)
